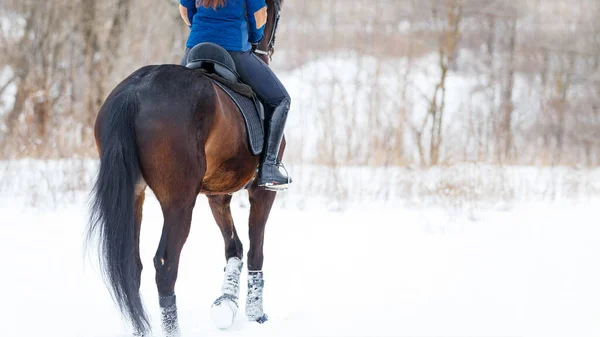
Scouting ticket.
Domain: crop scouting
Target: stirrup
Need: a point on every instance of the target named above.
(278, 187)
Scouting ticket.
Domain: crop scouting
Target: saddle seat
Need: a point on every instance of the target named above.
(212, 58)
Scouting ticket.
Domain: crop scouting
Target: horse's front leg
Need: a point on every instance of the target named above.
(261, 201)
(225, 307)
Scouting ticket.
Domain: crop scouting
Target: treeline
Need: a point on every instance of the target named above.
(532, 67)
(494, 81)
(59, 59)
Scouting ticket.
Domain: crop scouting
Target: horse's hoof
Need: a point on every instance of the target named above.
(262, 319)
(223, 312)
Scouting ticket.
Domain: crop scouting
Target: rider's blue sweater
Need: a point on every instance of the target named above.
(233, 26)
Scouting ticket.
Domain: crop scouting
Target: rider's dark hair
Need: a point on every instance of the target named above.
(211, 3)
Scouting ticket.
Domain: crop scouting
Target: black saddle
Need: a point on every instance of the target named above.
(213, 59)
(216, 63)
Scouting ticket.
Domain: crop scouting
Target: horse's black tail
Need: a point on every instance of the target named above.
(112, 208)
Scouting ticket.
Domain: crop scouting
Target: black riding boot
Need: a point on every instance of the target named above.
(269, 175)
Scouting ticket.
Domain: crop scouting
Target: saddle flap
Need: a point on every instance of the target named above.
(253, 117)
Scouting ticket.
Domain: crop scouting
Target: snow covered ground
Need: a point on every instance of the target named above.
(54, 183)
(367, 271)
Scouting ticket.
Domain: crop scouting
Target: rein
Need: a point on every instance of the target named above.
(271, 46)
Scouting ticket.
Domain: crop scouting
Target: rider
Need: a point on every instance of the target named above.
(237, 25)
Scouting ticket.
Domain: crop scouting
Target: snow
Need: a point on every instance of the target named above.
(11, 27)
(12, 24)
(338, 97)
(55, 183)
(399, 271)
(7, 98)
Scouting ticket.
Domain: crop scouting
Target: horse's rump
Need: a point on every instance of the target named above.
(186, 123)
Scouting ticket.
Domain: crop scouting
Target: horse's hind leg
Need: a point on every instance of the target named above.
(176, 228)
(261, 201)
(225, 307)
(173, 167)
(220, 207)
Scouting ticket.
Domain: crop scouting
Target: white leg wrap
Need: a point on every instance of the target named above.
(225, 307)
(254, 300)
(231, 283)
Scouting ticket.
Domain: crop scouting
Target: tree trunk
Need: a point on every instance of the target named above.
(508, 91)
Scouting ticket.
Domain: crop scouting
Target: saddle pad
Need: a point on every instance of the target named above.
(238, 87)
(254, 124)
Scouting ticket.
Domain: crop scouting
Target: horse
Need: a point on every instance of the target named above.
(171, 129)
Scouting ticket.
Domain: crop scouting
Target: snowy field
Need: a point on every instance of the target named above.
(366, 271)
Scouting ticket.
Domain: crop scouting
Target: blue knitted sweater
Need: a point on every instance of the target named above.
(233, 26)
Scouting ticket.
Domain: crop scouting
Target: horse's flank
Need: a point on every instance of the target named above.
(230, 166)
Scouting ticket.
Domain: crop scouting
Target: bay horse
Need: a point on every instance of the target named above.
(171, 129)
